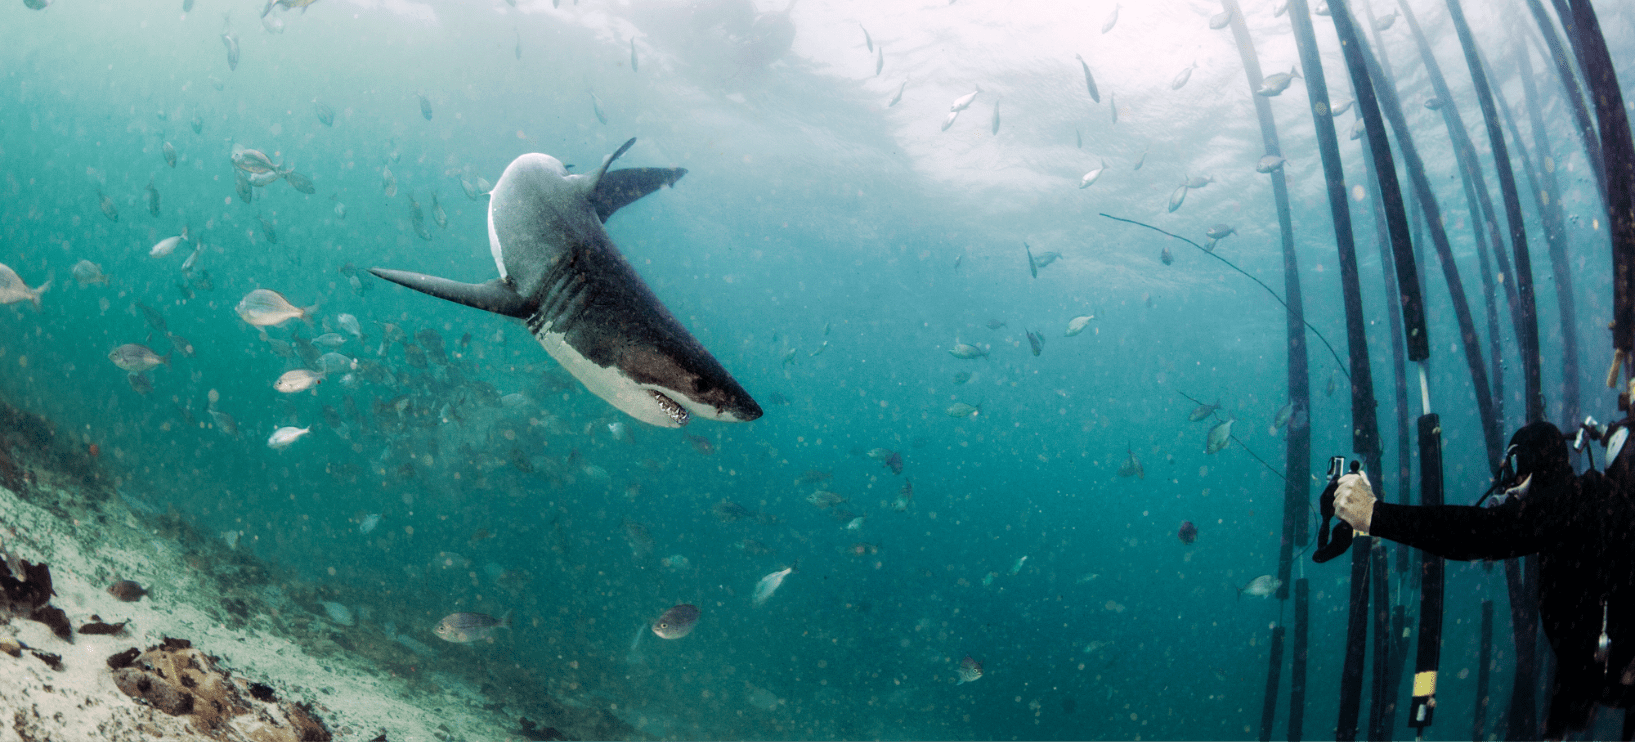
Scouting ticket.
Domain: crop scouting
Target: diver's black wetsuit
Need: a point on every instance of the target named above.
(1583, 534)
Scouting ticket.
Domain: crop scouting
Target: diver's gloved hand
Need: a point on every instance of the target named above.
(1354, 502)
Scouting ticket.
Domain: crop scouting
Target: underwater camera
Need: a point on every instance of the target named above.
(1330, 546)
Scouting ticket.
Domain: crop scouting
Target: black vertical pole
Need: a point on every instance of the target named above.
(1382, 708)
(1483, 673)
(1297, 674)
(1399, 360)
(1526, 313)
(1369, 104)
(1274, 674)
(1429, 653)
(1364, 427)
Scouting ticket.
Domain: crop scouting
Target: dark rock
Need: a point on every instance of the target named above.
(96, 626)
(170, 643)
(123, 659)
(306, 724)
(58, 621)
(53, 661)
(29, 590)
(261, 692)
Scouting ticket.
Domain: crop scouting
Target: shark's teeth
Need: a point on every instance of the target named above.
(675, 411)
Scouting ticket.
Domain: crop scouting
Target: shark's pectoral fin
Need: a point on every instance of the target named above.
(618, 188)
(494, 296)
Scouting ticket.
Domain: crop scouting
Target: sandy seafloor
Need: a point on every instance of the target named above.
(57, 507)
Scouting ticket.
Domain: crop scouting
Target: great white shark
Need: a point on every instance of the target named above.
(562, 275)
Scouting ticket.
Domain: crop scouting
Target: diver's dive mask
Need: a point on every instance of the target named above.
(1329, 547)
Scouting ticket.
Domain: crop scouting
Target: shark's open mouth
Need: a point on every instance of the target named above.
(675, 411)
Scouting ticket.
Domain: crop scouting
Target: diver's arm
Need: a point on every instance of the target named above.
(1449, 531)
(1461, 532)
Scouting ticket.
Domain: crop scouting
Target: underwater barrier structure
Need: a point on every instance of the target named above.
(1399, 361)
(1525, 310)
(1297, 461)
(1588, 138)
(1363, 72)
(1541, 180)
(1619, 154)
(1489, 242)
(1484, 658)
(1364, 427)
(1523, 716)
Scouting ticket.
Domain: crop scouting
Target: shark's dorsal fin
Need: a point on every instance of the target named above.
(619, 188)
(493, 296)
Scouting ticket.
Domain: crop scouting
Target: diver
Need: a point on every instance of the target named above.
(1581, 528)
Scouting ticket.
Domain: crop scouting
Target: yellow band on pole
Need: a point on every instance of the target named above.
(1425, 683)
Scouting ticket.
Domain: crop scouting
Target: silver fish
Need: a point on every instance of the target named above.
(85, 271)
(425, 106)
(437, 213)
(1089, 80)
(962, 350)
(899, 97)
(1182, 77)
(1220, 20)
(230, 40)
(300, 182)
(264, 307)
(1178, 197)
(326, 115)
(153, 198)
(462, 628)
(1219, 436)
(170, 154)
(769, 584)
(1270, 163)
(963, 410)
(388, 182)
(13, 290)
(297, 380)
(1277, 82)
(867, 39)
(996, 117)
(1282, 416)
(136, 358)
(107, 204)
(1094, 175)
(1260, 587)
(596, 108)
(879, 59)
(1112, 20)
(283, 437)
(1132, 465)
(676, 622)
(633, 56)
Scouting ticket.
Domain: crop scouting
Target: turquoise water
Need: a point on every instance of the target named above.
(812, 213)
